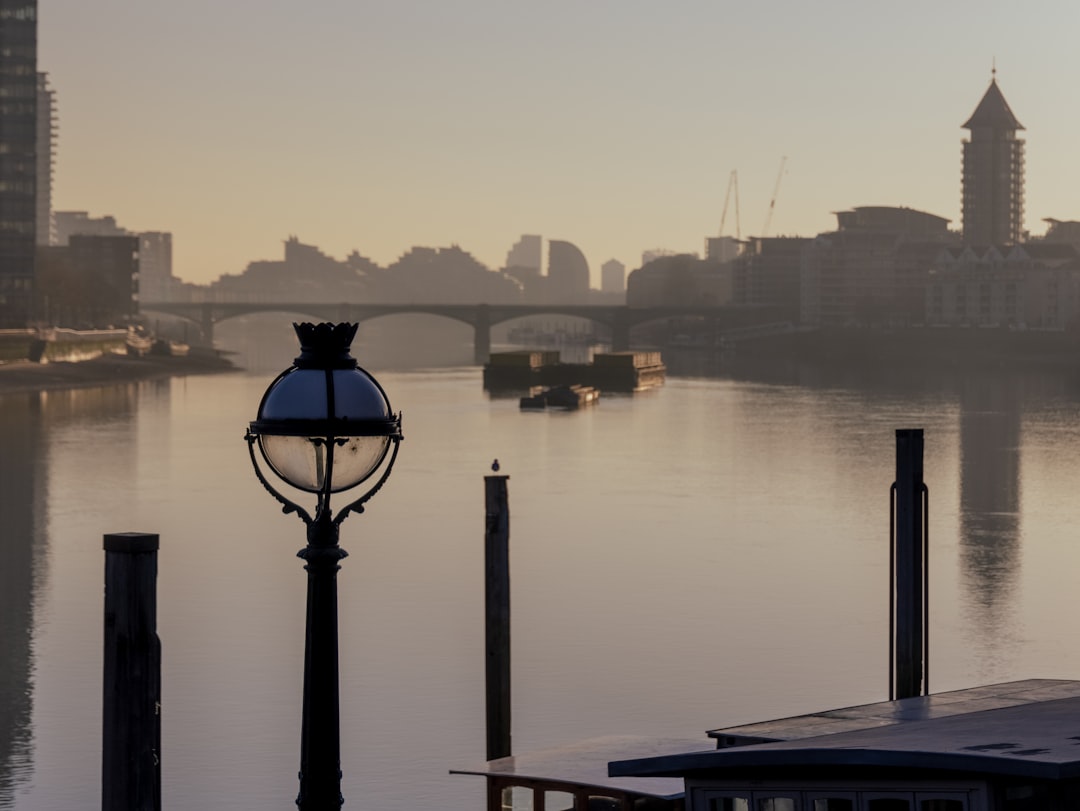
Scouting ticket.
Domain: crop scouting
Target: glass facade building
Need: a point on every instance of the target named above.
(18, 159)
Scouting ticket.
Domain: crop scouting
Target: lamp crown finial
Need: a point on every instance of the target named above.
(325, 345)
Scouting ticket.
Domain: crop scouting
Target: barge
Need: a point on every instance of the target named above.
(613, 371)
(563, 397)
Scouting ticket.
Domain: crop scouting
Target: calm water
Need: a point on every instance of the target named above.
(711, 553)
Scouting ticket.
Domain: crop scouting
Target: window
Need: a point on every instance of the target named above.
(825, 799)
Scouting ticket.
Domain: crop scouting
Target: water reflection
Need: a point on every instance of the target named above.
(990, 536)
(22, 490)
(27, 423)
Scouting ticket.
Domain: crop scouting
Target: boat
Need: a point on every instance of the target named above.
(1004, 747)
(611, 371)
(575, 778)
(563, 397)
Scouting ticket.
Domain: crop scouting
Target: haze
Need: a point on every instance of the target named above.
(615, 125)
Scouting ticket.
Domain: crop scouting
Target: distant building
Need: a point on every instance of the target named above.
(447, 275)
(568, 274)
(873, 268)
(656, 253)
(722, 249)
(993, 176)
(1062, 231)
(18, 162)
(304, 274)
(528, 252)
(767, 272)
(613, 277)
(156, 278)
(107, 268)
(533, 283)
(72, 223)
(1034, 285)
(682, 280)
(46, 158)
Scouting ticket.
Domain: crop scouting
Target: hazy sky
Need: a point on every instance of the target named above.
(610, 123)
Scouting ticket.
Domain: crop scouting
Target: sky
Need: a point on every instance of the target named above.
(614, 124)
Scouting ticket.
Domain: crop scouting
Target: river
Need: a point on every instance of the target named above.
(710, 553)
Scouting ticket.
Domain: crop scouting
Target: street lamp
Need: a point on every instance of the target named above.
(324, 427)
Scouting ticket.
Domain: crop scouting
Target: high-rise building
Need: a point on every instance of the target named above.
(108, 267)
(46, 158)
(155, 266)
(526, 253)
(613, 277)
(18, 146)
(568, 273)
(993, 192)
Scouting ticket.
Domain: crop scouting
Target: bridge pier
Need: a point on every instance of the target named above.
(482, 335)
(207, 324)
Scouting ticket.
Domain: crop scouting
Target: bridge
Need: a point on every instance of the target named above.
(618, 320)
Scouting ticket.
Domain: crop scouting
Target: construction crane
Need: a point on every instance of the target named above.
(733, 184)
(772, 202)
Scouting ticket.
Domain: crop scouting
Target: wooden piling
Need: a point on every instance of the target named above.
(497, 615)
(909, 603)
(131, 723)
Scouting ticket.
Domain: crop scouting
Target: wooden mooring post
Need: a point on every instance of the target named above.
(131, 706)
(497, 614)
(908, 598)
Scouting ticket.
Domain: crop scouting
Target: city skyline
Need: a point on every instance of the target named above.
(613, 126)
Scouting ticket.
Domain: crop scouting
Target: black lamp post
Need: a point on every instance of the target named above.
(324, 426)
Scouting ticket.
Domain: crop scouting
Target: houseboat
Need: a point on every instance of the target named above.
(1004, 747)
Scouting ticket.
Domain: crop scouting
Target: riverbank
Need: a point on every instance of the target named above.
(107, 370)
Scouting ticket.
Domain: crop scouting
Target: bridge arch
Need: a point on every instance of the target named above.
(620, 319)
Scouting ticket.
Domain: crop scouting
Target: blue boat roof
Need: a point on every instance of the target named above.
(1027, 728)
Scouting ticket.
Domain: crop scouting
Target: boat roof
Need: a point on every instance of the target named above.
(585, 763)
(1026, 728)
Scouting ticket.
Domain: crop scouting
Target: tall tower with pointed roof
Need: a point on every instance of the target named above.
(993, 195)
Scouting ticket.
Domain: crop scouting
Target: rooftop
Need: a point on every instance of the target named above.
(1026, 728)
(586, 764)
(993, 112)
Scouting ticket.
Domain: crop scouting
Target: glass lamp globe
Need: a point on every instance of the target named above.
(325, 425)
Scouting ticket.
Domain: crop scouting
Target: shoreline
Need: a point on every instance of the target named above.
(23, 377)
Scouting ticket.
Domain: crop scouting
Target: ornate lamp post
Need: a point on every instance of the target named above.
(324, 427)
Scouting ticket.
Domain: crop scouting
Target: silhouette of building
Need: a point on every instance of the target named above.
(722, 249)
(767, 272)
(46, 159)
(568, 273)
(993, 173)
(71, 223)
(613, 277)
(304, 274)
(448, 275)
(1062, 231)
(1032, 285)
(156, 278)
(873, 268)
(528, 252)
(108, 267)
(18, 164)
(653, 254)
(682, 280)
